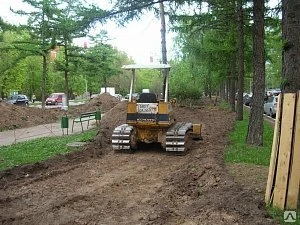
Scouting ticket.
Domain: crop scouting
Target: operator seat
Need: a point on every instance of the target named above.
(147, 98)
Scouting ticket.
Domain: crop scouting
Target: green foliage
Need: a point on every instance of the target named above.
(50, 23)
(224, 105)
(183, 84)
(208, 41)
(274, 54)
(149, 79)
(39, 149)
(100, 65)
(13, 64)
(54, 24)
(121, 81)
(239, 152)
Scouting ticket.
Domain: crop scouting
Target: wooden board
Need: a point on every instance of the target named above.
(284, 153)
(274, 154)
(294, 179)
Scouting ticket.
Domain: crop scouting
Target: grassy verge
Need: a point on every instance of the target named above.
(239, 152)
(39, 149)
(279, 216)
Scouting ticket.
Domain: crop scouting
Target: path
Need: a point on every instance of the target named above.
(47, 130)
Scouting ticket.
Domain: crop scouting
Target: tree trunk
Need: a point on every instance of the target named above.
(105, 84)
(227, 91)
(222, 91)
(255, 128)
(231, 79)
(66, 73)
(291, 40)
(163, 44)
(240, 60)
(208, 82)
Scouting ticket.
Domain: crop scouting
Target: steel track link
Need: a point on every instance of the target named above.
(121, 137)
(176, 137)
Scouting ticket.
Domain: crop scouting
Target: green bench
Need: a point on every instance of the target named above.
(87, 116)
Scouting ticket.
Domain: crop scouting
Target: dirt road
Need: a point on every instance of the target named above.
(148, 187)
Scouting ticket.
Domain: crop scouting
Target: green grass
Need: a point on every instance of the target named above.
(224, 105)
(39, 149)
(279, 215)
(239, 152)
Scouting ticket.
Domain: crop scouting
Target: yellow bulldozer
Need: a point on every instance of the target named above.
(151, 120)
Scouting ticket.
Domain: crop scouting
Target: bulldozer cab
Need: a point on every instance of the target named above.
(148, 109)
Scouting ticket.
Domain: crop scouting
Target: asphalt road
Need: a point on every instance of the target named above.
(39, 104)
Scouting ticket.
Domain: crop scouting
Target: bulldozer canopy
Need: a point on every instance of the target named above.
(146, 66)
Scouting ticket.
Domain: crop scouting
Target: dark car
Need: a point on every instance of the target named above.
(18, 100)
(247, 99)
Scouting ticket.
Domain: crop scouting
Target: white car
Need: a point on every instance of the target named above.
(94, 96)
(270, 106)
(118, 96)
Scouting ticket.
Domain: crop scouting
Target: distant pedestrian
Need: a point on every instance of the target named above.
(33, 98)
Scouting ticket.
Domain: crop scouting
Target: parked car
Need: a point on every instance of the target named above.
(135, 96)
(270, 106)
(94, 96)
(275, 92)
(236, 95)
(18, 100)
(118, 96)
(54, 99)
(247, 99)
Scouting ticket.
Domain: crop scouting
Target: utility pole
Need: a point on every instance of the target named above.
(86, 84)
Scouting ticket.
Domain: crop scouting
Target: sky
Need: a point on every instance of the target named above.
(139, 39)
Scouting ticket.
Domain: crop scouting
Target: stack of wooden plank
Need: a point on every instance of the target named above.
(284, 172)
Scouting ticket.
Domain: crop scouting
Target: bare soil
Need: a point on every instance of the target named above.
(103, 102)
(97, 186)
(13, 117)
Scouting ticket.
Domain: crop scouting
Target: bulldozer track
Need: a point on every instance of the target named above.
(177, 137)
(121, 137)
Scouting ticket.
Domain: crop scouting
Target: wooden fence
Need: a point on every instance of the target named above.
(284, 172)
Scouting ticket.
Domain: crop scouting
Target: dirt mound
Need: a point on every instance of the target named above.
(103, 102)
(100, 145)
(112, 118)
(13, 116)
(117, 116)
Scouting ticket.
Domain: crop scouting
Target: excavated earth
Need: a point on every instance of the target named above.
(13, 117)
(97, 186)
